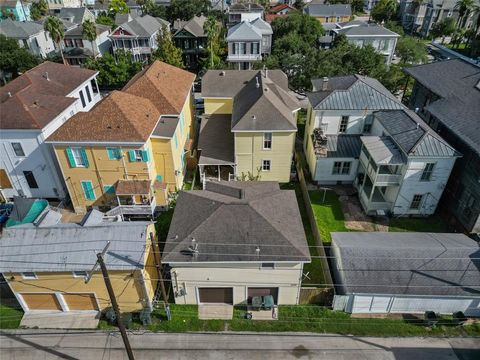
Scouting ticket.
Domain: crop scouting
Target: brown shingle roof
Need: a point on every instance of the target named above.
(165, 85)
(34, 99)
(132, 187)
(120, 117)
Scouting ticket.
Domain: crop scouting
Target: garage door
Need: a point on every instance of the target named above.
(216, 295)
(263, 291)
(41, 301)
(80, 301)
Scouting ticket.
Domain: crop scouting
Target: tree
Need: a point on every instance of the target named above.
(54, 26)
(384, 10)
(299, 4)
(215, 50)
(464, 7)
(89, 30)
(411, 50)
(395, 27)
(15, 59)
(187, 9)
(105, 19)
(146, 5)
(443, 28)
(357, 5)
(114, 71)
(117, 7)
(167, 51)
(158, 11)
(39, 9)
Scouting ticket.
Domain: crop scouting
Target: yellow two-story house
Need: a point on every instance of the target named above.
(249, 127)
(128, 154)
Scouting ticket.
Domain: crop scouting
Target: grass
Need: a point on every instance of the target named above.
(328, 213)
(314, 269)
(162, 225)
(10, 317)
(303, 318)
(430, 224)
(301, 121)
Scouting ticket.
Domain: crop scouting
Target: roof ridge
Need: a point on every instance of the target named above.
(120, 104)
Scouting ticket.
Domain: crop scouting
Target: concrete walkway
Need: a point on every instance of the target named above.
(61, 320)
(215, 311)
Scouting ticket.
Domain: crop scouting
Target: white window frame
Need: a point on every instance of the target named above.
(342, 124)
(29, 277)
(138, 155)
(267, 141)
(269, 165)
(419, 202)
(76, 274)
(21, 148)
(341, 167)
(427, 173)
(75, 157)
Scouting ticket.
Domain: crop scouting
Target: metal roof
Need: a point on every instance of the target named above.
(383, 150)
(244, 31)
(328, 9)
(71, 247)
(407, 263)
(343, 146)
(19, 29)
(144, 26)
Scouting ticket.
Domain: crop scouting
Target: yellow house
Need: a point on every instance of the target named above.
(45, 266)
(129, 152)
(329, 13)
(249, 126)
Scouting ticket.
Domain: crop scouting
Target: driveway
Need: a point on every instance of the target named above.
(61, 320)
(215, 311)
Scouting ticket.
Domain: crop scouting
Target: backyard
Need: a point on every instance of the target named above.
(10, 317)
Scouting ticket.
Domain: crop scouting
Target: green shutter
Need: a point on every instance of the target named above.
(109, 189)
(145, 156)
(131, 155)
(84, 157)
(71, 160)
(159, 178)
(118, 154)
(88, 190)
(113, 153)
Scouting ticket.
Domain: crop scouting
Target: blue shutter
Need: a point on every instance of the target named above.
(118, 154)
(159, 178)
(111, 154)
(131, 155)
(88, 190)
(84, 157)
(109, 189)
(70, 157)
(145, 156)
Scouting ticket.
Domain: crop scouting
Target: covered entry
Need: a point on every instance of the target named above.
(81, 301)
(45, 301)
(263, 291)
(215, 295)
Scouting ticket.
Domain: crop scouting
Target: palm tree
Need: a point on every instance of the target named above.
(54, 26)
(211, 28)
(89, 30)
(464, 8)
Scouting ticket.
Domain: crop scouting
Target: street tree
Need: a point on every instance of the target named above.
(187, 9)
(465, 8)
(55, 28)
(384, 10)
(215, 49)
(166, 50)
(117, 7)
(411, 50)
(443, 28)
(15, 59)
(89, 30)
(39, 9)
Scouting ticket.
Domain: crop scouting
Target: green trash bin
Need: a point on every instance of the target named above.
(268, 302)
(257, 302)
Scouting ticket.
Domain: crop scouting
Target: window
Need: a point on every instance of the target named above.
(416, 202)
(17, 148)
(341, 168)
(32, 183)
(79, 274)
(88, 191)
(266, 165)
(267, 141)
(29, 276)
(109, 189)
(343, 124)
(427, 172)
(137, 155)
(94, 86)
(114, 153)
(89, 97)
(79, 157)
(255, 48)
(367, 125)
(268, 265)
(82, 99)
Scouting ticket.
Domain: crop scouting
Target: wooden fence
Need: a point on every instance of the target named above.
(317, 296)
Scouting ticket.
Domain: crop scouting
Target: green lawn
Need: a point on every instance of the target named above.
(328, 213)
(10, 317)
(430, 224)
(162, 225)
(302, 318)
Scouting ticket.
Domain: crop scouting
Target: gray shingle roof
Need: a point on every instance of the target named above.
(459, 109)
(354, 92)
(19, 29)
(166, 126)
(74, 15)
(366, 29)
(78, 30)
(343, 146)
(69, 247)
(229, 220)
(193, 26)
(407, 263)
(244, 31)
(144, 26)
(413, 135)
(328, 10)
(216, 141)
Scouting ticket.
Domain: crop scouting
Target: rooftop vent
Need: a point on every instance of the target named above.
(193, 248)
(325, 84)
(46, 76)
(9, 94)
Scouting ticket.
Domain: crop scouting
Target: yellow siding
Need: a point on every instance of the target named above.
(162, 152)
(102, 172)
(249, 154)
(332, 19)
(218, 105)
(308, 145)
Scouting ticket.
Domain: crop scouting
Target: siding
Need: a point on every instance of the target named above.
(323, 173)
(218, 106)
(249, 154)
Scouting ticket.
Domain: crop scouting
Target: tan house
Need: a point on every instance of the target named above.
(45, 265)
(329, 13)
(249, 125)
(128, 153)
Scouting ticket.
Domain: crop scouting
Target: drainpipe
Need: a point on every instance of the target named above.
(145, 290)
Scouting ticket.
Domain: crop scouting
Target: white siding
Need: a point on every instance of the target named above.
(286, 277)
(329, 120)
(323, 171)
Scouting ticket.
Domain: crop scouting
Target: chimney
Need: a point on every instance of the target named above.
(46, 76)
(325, 83)
(257, 85)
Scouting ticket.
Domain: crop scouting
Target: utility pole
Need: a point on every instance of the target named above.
(158, 265)
(100, 262)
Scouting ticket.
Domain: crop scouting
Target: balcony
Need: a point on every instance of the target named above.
(244, 57)
(377, 202)
(142, 50)
(388, 179)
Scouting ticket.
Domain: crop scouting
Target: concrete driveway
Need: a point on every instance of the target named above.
(61, 320)
(215, 311)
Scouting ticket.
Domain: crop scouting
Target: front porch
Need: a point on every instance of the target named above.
(135, 198)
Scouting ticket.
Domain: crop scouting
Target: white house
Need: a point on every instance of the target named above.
(56, 5)
(358, 133)
(244, 11)
(77, 48)
(29, 35)
(405, 272)
(138, 36)
(235, 240)
(33, 106)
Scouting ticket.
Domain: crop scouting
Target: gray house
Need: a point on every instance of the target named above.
(328, 13)
(447, 96)
(248, 42)
(380, 273)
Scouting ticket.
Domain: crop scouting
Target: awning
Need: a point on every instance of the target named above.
(132, 187)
